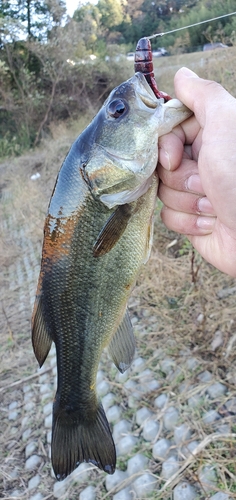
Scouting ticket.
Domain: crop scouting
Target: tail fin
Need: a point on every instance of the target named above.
(74, 442)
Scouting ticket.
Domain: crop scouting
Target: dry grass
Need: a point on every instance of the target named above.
(176, 302)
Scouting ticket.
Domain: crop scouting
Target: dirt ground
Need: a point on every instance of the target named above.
(183, 302)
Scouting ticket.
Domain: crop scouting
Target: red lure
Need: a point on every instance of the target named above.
(143, 63)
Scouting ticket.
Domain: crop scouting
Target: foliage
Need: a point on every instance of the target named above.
(46, 73)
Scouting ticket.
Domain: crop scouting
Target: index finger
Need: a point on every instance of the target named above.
(171, 146)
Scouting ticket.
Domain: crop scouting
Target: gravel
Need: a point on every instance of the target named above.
(160, 410)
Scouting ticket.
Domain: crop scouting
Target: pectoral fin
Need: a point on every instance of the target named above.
(122, 345)
(113, 230)
(41, 339)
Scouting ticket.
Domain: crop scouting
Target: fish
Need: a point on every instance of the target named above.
(97, 235)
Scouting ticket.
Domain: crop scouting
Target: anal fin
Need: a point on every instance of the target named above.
(112, 230)
(41, 339)
(122, 344)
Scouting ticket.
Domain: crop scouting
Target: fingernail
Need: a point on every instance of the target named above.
(206, 223)
(168, 166)
(204, 205)
(187, 72)
(193, 183)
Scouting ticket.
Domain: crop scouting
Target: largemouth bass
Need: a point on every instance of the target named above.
(97, 234)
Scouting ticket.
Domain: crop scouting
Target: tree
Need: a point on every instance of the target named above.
(88, 18)
(112, 13)
(37, 16)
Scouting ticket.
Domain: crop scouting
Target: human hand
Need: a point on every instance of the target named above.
(197, 169)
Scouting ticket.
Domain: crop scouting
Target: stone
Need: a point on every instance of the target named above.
(26, 434)
(113, 413)
(161, 400)
(32, 462)
(210, 416)
(169, 467)
(43, 378)
(29, 406)
(88, 493)
(143, 414)
(115, 479)
(188, 449)
(49, 437)
(207, 477)
(121, 429)
(45, 388)
(59, 488)
(136, 464)
(170, 418)
(152, 385)
(13, 415)
(138, 365)
(25, 421)
(192, 363)
(28, 396)
(103, 388)
(184, 491)
(14, 474)
(34, 482)
(100, 376)
(37, 496)
(48, 421)
(145, 485)
(47, 409)
(26, 388)
(231, 405)
(161, 448)
(81, 473)
(108, 401)
(195, 400)
(216, 390)
(30, 448)
(13, 405)
(205, 376)
(217, 340)
(124, 494)
(150, 430)
(224, 429)
(167, 365)
(182, 433)
(130, 385)
(220, 496)
(126, 445)
(122, 377)
(16, 493)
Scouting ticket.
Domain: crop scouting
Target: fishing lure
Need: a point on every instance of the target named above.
(143, 63)
(143, 56)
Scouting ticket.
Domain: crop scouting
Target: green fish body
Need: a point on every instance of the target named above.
(97, 234)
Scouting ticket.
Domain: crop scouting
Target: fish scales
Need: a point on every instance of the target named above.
(97, 235)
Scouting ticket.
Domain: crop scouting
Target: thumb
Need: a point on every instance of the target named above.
(200, 95)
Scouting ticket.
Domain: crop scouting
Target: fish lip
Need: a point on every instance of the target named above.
(153, 102)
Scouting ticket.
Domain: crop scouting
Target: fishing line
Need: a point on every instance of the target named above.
(190, 25)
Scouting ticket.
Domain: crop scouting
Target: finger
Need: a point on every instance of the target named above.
(188, 85)
(189, 203)
(189, 224)
(171, 145)
(184, 178)
(171, 148)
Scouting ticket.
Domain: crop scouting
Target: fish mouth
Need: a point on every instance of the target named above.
(144, 91)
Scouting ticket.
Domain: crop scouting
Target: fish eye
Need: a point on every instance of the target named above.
(116, 108)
